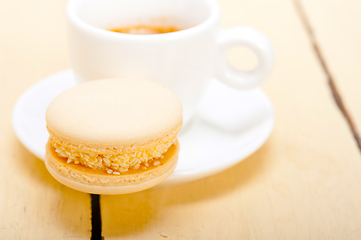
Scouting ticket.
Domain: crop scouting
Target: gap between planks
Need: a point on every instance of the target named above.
(96, 221)
(336, 95)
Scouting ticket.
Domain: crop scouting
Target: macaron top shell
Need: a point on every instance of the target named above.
(114, 112)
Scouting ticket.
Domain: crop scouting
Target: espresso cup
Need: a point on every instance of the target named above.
(184, 61)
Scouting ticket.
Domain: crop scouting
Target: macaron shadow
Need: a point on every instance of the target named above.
(143, 212)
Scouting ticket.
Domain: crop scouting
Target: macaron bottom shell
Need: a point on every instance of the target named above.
(95, 181)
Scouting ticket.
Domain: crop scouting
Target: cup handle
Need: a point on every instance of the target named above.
(252, 39)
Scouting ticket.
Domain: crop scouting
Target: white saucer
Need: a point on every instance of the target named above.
(230, 126)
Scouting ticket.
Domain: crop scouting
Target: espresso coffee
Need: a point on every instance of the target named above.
(146, 29)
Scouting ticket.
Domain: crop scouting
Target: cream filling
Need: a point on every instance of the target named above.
(114, 164)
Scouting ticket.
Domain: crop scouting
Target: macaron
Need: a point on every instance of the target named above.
(113, 136)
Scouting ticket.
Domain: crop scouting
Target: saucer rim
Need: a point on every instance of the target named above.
(17, 106)
(184, 176)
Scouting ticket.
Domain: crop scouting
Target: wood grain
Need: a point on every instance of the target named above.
(337, 29)
(302, 184)
(32, 204)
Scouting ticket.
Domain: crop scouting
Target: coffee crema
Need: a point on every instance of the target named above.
(145, 29)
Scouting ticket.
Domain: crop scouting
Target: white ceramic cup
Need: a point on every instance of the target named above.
(183, 61)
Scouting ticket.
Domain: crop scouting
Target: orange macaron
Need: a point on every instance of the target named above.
(113, 136)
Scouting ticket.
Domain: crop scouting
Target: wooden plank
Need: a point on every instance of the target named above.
(32, 204)
(336, 26)
(302, 184)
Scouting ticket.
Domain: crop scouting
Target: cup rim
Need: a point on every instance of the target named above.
(213, 18)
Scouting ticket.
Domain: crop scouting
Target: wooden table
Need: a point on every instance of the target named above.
(304, 183)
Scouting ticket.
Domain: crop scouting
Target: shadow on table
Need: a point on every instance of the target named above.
(135, 213)
(67, 211)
